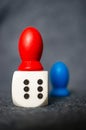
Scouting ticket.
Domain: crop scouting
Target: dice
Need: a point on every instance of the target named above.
(30, 88)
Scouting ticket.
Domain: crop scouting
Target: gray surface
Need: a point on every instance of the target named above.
(63, 28)
(61, 113)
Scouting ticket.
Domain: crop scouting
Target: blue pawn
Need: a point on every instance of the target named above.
(59, 75)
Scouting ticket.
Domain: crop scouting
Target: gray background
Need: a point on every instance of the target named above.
(62, 24)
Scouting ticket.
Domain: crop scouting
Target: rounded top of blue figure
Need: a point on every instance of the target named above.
(59, 75)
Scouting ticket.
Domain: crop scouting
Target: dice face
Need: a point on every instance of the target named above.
(30, 88)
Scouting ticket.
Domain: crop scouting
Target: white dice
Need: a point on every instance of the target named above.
(30, 88)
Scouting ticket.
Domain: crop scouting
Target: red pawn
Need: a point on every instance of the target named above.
(30, 49)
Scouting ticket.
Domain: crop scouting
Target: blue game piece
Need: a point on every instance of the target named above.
(59, 75)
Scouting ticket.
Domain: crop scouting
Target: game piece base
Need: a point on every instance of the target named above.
(61, 92)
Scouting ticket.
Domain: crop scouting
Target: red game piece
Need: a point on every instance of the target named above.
(30, 49)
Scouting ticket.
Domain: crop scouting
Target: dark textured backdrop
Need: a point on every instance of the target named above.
(62, 24)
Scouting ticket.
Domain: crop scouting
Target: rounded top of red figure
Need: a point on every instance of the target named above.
(30, 44)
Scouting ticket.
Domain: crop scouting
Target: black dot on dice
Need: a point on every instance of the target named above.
(40, 95)
(26, 96)
(40, 81)
(26, 81)
(26, 89)
(40, 89)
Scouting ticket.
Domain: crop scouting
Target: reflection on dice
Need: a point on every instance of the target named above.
(30, 88)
